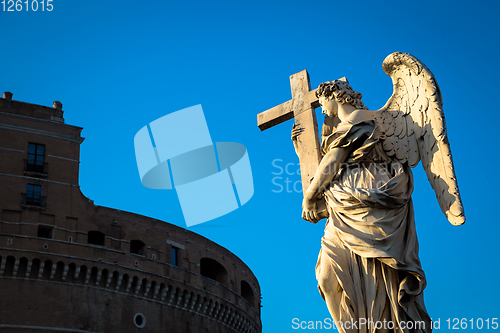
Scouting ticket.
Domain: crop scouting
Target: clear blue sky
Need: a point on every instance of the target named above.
(118, 65)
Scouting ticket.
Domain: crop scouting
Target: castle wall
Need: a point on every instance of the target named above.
(69, 265)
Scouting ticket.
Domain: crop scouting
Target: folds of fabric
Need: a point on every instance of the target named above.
(368, 268)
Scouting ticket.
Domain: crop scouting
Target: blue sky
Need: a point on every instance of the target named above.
(118, 65)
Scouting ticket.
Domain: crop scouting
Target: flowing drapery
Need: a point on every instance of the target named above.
(368, 268)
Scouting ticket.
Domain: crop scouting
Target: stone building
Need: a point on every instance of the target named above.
(67, 265)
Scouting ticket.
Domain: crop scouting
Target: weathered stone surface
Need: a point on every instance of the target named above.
(302, 108)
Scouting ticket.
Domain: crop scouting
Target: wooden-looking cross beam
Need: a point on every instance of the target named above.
(302, 108)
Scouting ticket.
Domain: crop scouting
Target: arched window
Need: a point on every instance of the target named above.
(213, 270)
(137, 247)
(96, 238)
(247, 292)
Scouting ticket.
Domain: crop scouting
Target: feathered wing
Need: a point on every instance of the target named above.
(413, 123)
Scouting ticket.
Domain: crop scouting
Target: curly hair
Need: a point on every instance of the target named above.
(342, 92)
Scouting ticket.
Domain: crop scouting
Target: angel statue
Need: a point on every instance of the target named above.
(368, 269)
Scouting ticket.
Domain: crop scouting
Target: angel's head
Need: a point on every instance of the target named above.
(341, 91)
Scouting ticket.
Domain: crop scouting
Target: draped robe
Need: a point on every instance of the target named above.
(368, 268)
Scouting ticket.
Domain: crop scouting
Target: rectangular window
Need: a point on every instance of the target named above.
(45, 231)
(33, 195)
(137, 247)
(174, 255)
(36, 155)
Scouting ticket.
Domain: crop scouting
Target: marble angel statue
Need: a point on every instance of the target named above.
(368, 269)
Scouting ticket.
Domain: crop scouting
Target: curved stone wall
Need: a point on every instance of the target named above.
(219, 308)
(68, 265)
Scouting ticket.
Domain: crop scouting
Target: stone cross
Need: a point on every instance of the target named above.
(302, 108)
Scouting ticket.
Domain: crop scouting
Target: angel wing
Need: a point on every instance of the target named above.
(414, 127)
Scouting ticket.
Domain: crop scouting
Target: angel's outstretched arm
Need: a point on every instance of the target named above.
(325, 172)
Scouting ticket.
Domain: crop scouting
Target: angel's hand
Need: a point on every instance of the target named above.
(310, 210)
(296, 130)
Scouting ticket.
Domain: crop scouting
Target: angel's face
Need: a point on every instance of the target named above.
(329, 106)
